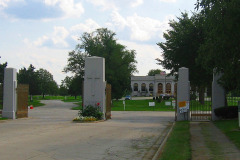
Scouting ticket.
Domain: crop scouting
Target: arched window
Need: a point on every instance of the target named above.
(143, 87)
(135, 87)
(150, 87)
(160, 88)
(168, 88)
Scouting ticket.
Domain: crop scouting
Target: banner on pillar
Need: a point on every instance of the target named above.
(183, 106)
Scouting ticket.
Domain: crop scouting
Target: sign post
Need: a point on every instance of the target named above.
(152, 104)
(183, 107)
(124, 105)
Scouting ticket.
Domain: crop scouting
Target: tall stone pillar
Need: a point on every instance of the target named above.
(183, 93)
(218, 95)
(9, 93)
(94, 83)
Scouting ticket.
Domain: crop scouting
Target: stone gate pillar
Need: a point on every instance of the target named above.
(94, 83)
(9, 93)
(218, 95)
(183, 93)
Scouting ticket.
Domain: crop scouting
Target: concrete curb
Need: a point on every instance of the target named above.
(156, 156)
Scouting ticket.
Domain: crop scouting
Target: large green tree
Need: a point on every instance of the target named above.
(183, 41)
(46, 82)
(119, 61)
(221, 49)
(2, 67)
(29, 76)
(152, 72)
(73, 85)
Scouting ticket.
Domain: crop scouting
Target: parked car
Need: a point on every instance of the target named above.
(166, 96)
(128, 97)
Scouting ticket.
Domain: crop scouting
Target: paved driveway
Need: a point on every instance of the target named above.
(49, 134)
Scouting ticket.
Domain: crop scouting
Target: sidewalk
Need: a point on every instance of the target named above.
(208, 142)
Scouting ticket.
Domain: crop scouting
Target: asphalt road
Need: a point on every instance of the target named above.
(50, 134)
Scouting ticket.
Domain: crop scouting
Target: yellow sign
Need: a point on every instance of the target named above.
(182, 104)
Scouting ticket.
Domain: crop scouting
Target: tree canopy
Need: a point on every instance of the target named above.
(29, 76)
(2, 67)
(183, 41)
(119, 61)
(152, 72)
(40, 81)
(47, 85)
(221, 49)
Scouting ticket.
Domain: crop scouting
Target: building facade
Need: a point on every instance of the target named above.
(153, 85)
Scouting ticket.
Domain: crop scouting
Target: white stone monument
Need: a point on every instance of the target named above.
(183, 94)
(218, 95)
(9, 93)
(94, 83)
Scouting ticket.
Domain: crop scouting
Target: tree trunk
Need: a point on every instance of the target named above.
(75, 97)
(43, 95)
(201, 95)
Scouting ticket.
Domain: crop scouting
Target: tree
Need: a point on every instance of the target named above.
(73, 85)
(29, 76)
(2, 67)
(119, 62)
(46, 82)
(183, 41)
(221, 48)
(152, 72)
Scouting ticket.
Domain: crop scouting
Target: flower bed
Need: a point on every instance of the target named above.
(89, 114)
(84, 119)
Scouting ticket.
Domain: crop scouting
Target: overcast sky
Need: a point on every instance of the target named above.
(42, 32)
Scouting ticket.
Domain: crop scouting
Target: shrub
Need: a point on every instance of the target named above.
(91, 111)
(229, 112)
(160, 99)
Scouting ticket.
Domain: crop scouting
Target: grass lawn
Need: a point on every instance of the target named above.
(178, 144)
(63, 98)
(231, 129)
(2, 118)
(35, 103)
(140, 105)
(78, 107)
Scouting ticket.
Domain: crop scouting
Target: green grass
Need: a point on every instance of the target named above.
(63, 98)
(2, 118)
(78, 107)
(214, 147)
(140, 105)
(36, 103)
(231, 129)
(178, 144)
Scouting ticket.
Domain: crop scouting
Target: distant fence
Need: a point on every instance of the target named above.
(232, 98)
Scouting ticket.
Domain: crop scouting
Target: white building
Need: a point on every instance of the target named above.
(153, 85)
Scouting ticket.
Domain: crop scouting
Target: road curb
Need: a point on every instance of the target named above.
(156, 156)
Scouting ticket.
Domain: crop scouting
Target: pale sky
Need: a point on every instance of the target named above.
(42, 32)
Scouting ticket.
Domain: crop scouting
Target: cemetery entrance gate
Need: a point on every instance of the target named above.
(201, 108)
